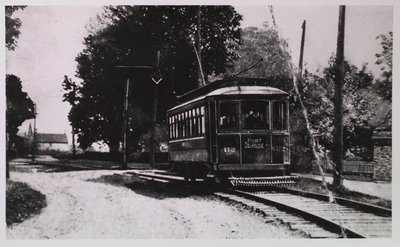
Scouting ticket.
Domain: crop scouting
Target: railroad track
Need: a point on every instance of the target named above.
(354, 220)
(313, 214)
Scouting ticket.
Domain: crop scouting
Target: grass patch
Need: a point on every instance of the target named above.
(312, 185)
(22, 202)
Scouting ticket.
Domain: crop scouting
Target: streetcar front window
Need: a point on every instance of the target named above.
(280, 115)
(227, 116)
(255, 115)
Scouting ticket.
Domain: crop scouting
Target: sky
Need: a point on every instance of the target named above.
(51, 37)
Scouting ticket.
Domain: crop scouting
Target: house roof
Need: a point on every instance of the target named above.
(51, 138)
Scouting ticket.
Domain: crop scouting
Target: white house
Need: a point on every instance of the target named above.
(52, 142)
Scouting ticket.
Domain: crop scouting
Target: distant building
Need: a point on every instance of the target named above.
(52, 142)
(46, 142)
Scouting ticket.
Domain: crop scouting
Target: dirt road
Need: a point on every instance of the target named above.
(82, 209)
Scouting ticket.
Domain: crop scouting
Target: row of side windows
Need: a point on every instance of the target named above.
(187, 124)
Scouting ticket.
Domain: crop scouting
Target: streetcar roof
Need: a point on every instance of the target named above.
(243, 90)
(236, 90)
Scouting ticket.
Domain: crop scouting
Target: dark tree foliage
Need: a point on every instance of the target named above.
(12, 26)
(257, 44)
(131, 35)
(384, 59)
(71, 95)
(317, 94)
(19, 107)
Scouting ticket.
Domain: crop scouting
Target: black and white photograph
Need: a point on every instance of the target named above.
(198, 120)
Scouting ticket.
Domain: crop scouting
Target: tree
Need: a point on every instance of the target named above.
(317, 92)
(262, 45)
(384, 59)
(19, 108)
(131, 35)
(19, 105)
(12, 26)
(70, 96)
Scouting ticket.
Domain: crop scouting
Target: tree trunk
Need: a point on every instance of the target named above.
(114, 146)
(73, 143)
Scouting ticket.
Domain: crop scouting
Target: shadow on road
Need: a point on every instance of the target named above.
(148, 188)
(26, 165)
(138, 185)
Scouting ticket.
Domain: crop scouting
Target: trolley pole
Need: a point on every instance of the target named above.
(338, 102)
(200, 76)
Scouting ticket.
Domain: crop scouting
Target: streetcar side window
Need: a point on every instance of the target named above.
(175, 127)
(227, 116)
(184, 125)
(171, 126)
(198, 121)
(255, 114)
(203, 120)
(195, 122)
(279, 115)
(187, 124)
(190, 123)
(179, 126)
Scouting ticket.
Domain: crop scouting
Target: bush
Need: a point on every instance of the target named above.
(22, 202)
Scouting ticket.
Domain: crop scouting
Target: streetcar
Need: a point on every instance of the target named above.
(234, 130)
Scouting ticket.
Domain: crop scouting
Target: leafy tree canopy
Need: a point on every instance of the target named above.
(262, 45)
(317, 95)
(12, 26)
(384, 59)
(19, 107)
(131, 35)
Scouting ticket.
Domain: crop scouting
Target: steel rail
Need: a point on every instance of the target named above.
(325, 223)
(292, 207)
(365, 207)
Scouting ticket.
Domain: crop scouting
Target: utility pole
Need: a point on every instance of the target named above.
(73, 105)
(303, 36)
(125, 125)
(34, 133)
(125, 112)
(338, 102)
(156, 79)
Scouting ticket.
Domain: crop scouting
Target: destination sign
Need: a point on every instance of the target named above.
(254, 143)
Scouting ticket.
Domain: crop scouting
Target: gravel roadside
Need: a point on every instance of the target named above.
(80, 209)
